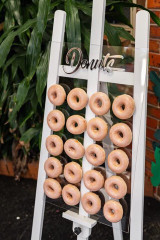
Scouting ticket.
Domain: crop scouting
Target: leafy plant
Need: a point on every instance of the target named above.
(155, 169)
(24, 54)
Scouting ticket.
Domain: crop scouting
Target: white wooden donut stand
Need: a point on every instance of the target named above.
(139, 80)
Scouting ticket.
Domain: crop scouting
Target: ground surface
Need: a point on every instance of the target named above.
(16, 213)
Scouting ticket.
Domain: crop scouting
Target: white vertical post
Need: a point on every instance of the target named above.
(96, 44)
(55, 58)
(139, 124)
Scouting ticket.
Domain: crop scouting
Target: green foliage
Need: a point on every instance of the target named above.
(155, 169)
(156, 80)
(24, 55)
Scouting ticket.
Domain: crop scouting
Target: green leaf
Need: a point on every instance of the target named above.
(25, 117)
(7, 43)
(13, 7)
(124, 34)
(156, 80)
(9, 21)
(112, 35)
(22, 92)
(85, 7)
(29, 134)
(41, 73)
(155, 168)
(155, 18)
(34, 46)
(73, 28)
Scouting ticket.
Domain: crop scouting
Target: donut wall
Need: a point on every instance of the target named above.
(92, 158)
(64, 177)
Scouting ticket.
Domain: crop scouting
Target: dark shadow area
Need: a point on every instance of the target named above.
(16, 214)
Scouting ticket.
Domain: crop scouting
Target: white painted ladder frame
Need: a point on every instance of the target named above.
(123, 78)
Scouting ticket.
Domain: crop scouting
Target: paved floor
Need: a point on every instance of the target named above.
(16, 213)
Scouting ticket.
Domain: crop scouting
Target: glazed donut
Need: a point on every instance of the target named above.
(77, 99)
(121, 135)
(113, 211)
(93, 180)
(53, 167)
(54, 145)
(71, 195)
(76, 124)
(123, 106)
(95, 154)
(97, 129)
(115, 187)
(73, 172)
(74, 149)
(99, 103)
(118, 161)
(56, 120)
(91, 203)
(52, 188)
(56, 94)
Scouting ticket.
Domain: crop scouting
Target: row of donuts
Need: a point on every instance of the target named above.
(123, 106)
(120, 133)
(94, 180)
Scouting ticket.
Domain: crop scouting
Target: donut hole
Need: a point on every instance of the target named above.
(76, 98)
(115, 186)
(95, 128)
(71, 172)
(112, 212)
(52, 167)
(93, 155)
(52, 144)
(54, 95)
(75, 124)
(117, 162)
(71, 149)
(50, 188)
(123, 107)
(69, 195)
(99, 103)
(90, 204)
(120, 134)
(54, 120)
(92, 179)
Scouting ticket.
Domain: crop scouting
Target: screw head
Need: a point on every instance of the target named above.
(77, 230)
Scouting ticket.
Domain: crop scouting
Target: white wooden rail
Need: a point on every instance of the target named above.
(138, 80)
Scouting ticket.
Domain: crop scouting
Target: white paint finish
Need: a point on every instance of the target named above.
(126, 78)
(55, 57)
(139, 124)
(96, 43)
(80, 74)
(83, 221)
(117, 227)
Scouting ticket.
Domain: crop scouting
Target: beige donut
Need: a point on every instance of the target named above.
(113, 211)
(91, 203)
(56, 94)
(95, 154)
(77, 99)
(123, 106)
(52, 188)
(56, 120)
(97, 129)
(54, 145)
(73, 172)
(99, 103)
(115, 187)
(121, 135)
(93, 180)
(71, 195)
(76, 124)
(53, 167)
(118, 161)
(74, 149)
